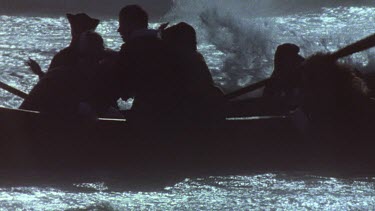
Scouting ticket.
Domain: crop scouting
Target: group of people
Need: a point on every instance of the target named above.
(169, 79)
(161, 70)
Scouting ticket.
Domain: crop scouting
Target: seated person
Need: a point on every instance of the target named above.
(333, 94)
(156, 74)
(79, 23)
(63, 88)
(286, 77)
(197, 94)
(140, 71)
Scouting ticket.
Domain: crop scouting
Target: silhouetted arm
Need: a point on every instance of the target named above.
(35, 67)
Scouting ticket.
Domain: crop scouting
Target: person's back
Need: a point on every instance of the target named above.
(145, 74)
(141, 71)
(199, 97)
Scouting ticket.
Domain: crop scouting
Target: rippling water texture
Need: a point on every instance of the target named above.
(239, 50)
(259, 192)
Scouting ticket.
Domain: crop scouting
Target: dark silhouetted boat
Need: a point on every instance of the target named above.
(34, 141)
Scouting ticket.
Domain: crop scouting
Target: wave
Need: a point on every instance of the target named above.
(228, 33)
(239, 39)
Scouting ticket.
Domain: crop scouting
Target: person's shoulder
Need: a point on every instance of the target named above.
(61, 72)
(66, 55)
(145, 37)
(143, 45)
(68, 51)
(144, 34)
(144, 41)
(199, 56)
(195, 58)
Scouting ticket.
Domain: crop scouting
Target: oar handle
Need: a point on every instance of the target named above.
(13, 90)
(358, 46)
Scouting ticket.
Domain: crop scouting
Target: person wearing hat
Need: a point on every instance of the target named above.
(63, 88)
(79, 23)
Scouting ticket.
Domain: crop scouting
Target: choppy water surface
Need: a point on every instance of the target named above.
(238, 47)
(258, 192)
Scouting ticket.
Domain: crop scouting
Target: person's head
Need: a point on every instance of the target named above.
(132, 18)
(287, 55)
(181, 36)
(81, 22)
(91, 45)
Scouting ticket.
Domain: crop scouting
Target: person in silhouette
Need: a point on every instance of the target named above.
(64, 88)
(199, 98)
(79, 23)
(286, 77)
(164, 74)
(141, 72)
(333, 93)
(283, 90)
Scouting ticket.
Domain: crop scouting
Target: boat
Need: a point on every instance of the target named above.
(34, 141)
(256, 135)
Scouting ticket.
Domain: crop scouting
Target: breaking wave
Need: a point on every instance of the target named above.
(239, 39)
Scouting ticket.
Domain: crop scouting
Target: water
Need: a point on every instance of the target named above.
(238, 42)
(257, 192)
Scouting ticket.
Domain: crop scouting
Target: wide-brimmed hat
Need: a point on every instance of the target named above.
(81, 22)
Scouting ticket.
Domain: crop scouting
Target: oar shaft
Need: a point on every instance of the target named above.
(13, 90)
(247, 89)
(359, 46)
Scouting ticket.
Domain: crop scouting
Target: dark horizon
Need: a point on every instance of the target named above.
(100, 8)
(156, 9)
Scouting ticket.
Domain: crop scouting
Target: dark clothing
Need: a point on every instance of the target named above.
(61, 90)
(67, 56)
(194, 72)
(146, 77)
(198, 96)
(167, 88)
(79, 23)
(286, 77)
(140, 73)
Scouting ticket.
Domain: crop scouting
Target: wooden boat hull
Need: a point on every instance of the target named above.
(32, 141)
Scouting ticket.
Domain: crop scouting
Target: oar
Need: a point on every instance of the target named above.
(361, 45)
(247, 89)
(13, 90)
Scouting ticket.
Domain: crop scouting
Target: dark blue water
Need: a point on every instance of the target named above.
(238, 42)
